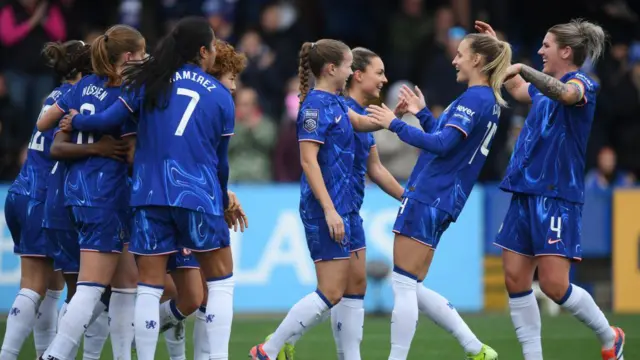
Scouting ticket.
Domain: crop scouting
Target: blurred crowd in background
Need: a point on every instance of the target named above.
(417, 39)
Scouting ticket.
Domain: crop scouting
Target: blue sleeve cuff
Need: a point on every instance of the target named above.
(396, 125)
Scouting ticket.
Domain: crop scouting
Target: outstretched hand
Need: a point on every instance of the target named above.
(484, 28)
(381, 115)
(414, 99)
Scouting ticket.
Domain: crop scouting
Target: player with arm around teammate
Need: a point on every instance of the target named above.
(542, 228)
(96, 191)
(363, 86)
(454, 149)
(25, 210)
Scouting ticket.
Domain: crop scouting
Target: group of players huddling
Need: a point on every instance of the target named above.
(127, 171)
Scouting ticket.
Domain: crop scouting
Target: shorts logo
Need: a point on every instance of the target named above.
(186, 252)
(310, 120)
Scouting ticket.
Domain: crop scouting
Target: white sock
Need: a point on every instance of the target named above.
(525, 316)
(76, 320)
(334, 313)
(579, 303)
(219, 315)
(170, 316)
(440, 310)
(404, 318)
(200, 339)
(303, 315)
(46, 321)
(61, 312)
(121, 314)
(350, 323)
(147, 320)
(95, 337)
(324, 317)
(174, 339)
(22, 318)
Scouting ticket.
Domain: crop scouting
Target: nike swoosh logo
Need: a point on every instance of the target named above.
(551, 241)
(338, 118)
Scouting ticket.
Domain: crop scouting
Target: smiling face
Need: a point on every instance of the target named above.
(372, 79)
(553, 57)
(465, 62)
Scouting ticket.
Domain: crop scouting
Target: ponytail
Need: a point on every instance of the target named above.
(102, 63)
(497, 55)
(304, 70)
(179, 47)
(498, 71)
(68, 59)
(107, 49)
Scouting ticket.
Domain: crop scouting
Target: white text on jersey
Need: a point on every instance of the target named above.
(188, 75)
(96, 91)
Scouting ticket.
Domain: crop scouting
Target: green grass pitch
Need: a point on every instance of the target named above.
(564, 338)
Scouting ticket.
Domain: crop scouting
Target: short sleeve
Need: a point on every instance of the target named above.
(533, 91)
(229, 117)
(587, 86)
(66, 101)
(312, 124)
(131, 100)
(372, 141)
(466, 113)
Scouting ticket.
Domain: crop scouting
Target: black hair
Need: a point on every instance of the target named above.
(68, 59)
(179, 47)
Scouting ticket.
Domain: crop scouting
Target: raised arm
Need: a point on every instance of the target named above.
(569, 93)
(518, 88)
(362, 123)
(439, 143)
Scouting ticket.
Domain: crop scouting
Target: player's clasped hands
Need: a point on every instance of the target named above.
(65, 123)
(335, 224)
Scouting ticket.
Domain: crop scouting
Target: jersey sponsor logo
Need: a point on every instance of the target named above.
(310, 122)
(465, 119)
(465, 110)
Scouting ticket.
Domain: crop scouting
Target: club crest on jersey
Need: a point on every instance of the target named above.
(310, 120)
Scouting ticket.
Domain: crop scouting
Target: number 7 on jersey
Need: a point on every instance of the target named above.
(186, 116)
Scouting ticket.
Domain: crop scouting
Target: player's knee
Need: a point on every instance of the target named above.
(555, 287)
(189, 300)
(333, 293)
(357, 284)
(516, 282)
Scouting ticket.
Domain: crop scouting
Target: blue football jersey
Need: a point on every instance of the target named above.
(176, 158)
(56, 215)
(445, 182)
(94, 181)
(549, 156)
(323, 118)
(32, 179)
(363, 144)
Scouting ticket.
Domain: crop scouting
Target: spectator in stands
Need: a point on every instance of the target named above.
(286, 157)
(253, 142)
(408, 27)
(25, 26)
(13, 134)
(625, 114)
(606, 175)
(440, 77)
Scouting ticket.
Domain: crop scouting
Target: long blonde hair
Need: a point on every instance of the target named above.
(497, 55)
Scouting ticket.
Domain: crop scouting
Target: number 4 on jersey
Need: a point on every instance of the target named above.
(486, 141)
